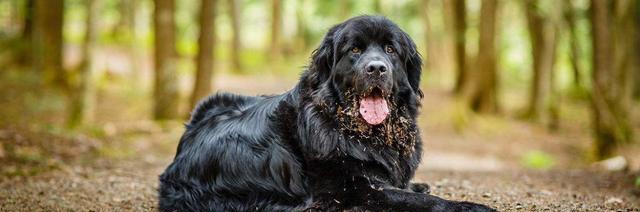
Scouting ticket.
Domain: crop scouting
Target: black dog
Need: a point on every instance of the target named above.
(344, 138)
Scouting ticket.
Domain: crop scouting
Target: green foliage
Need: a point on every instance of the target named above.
(637, 183)
(538, 160)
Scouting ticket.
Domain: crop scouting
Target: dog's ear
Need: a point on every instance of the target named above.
(412, 62)
(323, 58)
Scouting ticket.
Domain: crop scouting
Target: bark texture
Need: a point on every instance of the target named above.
(83, 98)
(205, 59)
(236, 44)
(480, 93)
(543, 32)
(611, 74)
(47, 42)
(275, 45)
(165, 95)
(459, 42)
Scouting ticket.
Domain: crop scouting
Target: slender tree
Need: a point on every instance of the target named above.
(126, 19)
(481, 93)
(47, 42)
(543, 24)
(129, 11)
(302, 30)
(611, 74)
(23, 50)
(428, 36)
(83, 97)
(346, 6)
(275, 45)
(13, 16)
(27, 28)
(378, 7)
(236, 47)
(570, 16)
(206, 45)
(636, 54)
(165, 102)
(459, 28)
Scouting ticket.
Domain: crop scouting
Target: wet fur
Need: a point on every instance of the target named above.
(306, 149)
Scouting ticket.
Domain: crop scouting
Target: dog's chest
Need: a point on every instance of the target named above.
(398, 132)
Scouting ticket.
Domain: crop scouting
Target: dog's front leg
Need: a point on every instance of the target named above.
(402, 200)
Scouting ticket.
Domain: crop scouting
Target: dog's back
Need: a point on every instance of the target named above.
(231, 157)
(220, 106)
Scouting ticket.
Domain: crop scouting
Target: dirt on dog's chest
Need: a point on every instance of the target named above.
(397, 131)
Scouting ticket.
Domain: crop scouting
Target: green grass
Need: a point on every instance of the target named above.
(537, 160)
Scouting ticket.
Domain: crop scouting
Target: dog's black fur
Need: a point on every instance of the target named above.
(308, 149)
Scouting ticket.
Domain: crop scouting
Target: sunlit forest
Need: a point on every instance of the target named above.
(528, 104)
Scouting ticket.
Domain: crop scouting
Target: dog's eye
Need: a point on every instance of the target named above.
(389, 49)
(356, 50)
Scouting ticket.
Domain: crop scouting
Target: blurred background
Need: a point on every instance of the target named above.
(532, 85)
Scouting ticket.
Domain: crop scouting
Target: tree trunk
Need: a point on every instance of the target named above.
(24, 51)
(575, 56)
(133, 41)
(275, 49)
(28, 19)
(234, 12)
(47, 42)
(625, 39)
(345, 9)
(611, 73)
(83, 100)
(636, 53)
(428, 39)
(12, 15)
(302, 31)
(206, 45)
(165, 88)
(480, 94)
(378, 8)
(543, 33)
(459, 42)
(126, 19)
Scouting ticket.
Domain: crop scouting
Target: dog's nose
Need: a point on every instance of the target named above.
(376, 67)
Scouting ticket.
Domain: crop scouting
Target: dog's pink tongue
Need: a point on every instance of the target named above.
(374, 110)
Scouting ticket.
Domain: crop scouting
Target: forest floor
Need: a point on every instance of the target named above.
(506, 163)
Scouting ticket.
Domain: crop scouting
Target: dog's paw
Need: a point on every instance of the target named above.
(473, 207)
(420, 188)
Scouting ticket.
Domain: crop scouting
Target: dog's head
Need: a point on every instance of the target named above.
(370, 61)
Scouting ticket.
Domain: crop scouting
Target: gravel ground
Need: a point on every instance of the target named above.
(130, 185)
(537, 191)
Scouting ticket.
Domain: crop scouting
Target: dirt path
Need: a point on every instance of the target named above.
(130, 183)
(127, 185)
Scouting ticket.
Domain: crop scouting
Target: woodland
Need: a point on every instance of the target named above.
(528, 105)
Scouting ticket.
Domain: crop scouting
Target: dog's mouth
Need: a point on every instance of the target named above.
(373, 106)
